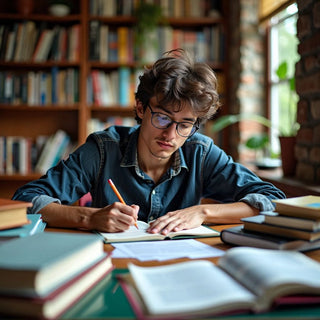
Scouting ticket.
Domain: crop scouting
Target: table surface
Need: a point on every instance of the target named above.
(212, 241)
(110, 301)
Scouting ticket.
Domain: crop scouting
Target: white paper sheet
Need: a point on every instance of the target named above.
(165, 250)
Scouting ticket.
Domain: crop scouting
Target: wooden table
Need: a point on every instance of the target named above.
(212, 241)
(116, 306)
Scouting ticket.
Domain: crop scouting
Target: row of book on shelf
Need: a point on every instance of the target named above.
(177, 8)
(109, 44)
(61, 87)
(294, 225)
(95, 124)
(58, 86)
(113, 88)
(24, 155)
(29, 41)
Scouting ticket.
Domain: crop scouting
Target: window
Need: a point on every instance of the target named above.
(283, 44)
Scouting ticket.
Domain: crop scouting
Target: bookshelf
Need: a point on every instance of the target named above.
(78, 56)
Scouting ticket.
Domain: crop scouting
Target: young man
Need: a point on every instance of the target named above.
(162, 167)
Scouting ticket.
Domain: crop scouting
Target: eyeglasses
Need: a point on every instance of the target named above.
(162, 121)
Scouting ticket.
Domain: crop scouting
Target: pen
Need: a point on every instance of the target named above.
(115, 190)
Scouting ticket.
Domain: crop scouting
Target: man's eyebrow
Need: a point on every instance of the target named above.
(172, 113)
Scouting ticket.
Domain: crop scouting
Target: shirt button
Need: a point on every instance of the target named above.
(151, 218)
(153, 192)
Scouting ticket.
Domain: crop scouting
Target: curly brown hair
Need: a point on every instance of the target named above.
(176, 80)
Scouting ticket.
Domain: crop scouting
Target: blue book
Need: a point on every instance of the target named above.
(36, 225)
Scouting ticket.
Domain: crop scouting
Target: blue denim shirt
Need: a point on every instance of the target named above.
(200, 170)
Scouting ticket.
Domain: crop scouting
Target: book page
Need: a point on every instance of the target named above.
(131, 234)
(271, 273)
(189, 287)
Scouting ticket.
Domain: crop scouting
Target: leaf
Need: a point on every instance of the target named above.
(230, 119)
(257, 142)
(282, 71)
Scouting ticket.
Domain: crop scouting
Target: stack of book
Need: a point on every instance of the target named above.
(294, 225)
(43, 275)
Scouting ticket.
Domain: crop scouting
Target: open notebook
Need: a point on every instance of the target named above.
(134, 234)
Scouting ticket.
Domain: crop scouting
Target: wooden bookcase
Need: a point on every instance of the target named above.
(18, 118)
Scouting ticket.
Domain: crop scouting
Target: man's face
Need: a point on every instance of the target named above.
(162, 143)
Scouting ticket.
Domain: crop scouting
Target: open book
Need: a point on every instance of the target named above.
(245, 280)
(134, 234)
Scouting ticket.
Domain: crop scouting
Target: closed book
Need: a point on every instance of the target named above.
(304, 207)
(36, 265)
(57, 302)
(13, 213)
(292, 222)
(238, 236)
(257, 224)
(35, 225)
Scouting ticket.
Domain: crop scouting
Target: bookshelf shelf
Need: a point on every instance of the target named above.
(39, 65)
(39, 17)
(74, 116)
(43, 108)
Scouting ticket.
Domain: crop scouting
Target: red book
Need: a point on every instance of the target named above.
(96, 87)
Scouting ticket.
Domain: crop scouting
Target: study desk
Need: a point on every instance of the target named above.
(109, 301)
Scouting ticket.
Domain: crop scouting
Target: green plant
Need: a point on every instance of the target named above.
(289, 105)
(148, 16)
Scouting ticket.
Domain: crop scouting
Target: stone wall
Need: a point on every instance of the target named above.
(246, 74)
(307, 149)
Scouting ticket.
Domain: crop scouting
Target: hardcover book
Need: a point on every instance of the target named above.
(257, 224)
(13, 213)
(61, 299)
(36, 265)
(238, 236)
(292, 222)
(304, 207)
(245, 280)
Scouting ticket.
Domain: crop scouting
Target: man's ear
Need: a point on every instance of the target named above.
(139, 109)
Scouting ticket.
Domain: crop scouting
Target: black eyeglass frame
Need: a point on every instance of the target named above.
(195, 126)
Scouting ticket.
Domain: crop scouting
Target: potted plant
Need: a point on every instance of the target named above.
(286, 133)
(148, 17)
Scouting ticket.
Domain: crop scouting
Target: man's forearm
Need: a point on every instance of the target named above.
(228, 212)
(64, 216)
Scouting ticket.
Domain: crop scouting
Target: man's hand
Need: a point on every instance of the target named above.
(116, 217)
(187, 218)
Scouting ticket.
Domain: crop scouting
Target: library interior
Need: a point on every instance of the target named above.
(69, 68)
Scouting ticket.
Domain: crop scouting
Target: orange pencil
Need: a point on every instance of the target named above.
(115, 190)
